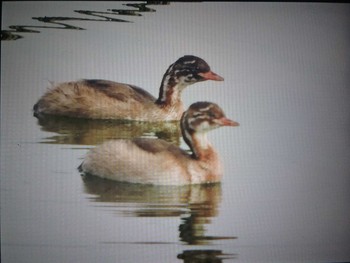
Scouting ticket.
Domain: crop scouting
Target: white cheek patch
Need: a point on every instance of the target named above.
(204, 126)
(182, 79)
(192, 121)
(190, 79)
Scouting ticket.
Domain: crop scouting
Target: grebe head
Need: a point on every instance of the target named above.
(203, 117)
(186, 71)
(200, 118)
(191, 69)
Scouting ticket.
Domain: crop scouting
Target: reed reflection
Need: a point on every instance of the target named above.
(92, 132)
(197, 205)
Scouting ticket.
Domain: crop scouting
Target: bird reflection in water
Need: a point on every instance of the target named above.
(93, 132)
(195, 204)
(204, 256)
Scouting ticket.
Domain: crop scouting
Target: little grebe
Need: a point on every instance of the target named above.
(155, 161)
(103, 99)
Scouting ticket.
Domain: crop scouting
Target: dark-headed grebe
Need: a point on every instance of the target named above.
(103, 99)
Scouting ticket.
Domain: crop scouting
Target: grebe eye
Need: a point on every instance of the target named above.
(211, 114)
(196, 114)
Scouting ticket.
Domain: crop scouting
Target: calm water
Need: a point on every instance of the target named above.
(285, 196)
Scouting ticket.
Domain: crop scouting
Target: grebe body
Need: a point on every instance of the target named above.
(103, 99)
(155, 161)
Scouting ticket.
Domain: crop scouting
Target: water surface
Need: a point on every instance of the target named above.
(285, 195)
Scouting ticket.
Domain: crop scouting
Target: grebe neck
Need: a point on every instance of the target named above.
(170, 89)
(197, 141)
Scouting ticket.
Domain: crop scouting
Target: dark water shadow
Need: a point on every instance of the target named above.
(75, 131)
(62, 22)
(196, 205)
(204, 256)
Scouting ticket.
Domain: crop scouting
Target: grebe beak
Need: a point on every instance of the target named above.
(210, 75)
(227, 122)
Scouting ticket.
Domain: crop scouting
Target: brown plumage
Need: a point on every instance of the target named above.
(103, 99)
(154, 161)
